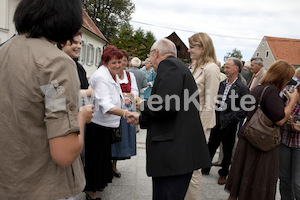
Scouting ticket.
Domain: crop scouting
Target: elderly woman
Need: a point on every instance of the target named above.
(108, 103)
(254, 173)
(127, 147)
(151, 75)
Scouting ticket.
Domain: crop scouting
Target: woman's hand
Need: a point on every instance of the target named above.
(127, 101)
(290, 120)
(86, 113)
(294, 96)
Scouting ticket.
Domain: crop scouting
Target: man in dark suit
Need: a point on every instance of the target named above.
(175, 145)
(246, 72)
(228, 114)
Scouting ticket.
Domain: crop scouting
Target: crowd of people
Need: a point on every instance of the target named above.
(55, 147)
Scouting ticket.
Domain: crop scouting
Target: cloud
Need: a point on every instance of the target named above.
(227, 22)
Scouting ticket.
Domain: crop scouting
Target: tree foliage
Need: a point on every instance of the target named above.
(108, 15)
(235, 53)
(136, 42)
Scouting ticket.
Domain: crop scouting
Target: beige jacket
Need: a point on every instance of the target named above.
(207, 78)
(39, 101)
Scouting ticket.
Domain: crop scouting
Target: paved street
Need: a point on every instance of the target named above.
(135, 185)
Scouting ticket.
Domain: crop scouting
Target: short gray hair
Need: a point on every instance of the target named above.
(258, 61)
(136, 62)
(165, 46)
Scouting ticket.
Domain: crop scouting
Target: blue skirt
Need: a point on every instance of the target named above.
(127, 147)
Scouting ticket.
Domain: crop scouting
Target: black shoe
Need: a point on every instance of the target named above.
(117, 174)
(204, 172)
(217, 164)
(88, 197)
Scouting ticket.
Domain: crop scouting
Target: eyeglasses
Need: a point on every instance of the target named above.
(148, 55)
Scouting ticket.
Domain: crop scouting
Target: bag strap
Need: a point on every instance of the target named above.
(262, 94)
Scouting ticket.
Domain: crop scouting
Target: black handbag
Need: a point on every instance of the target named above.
(261, 132)
(116, 135)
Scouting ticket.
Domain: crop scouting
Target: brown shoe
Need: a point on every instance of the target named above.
(217, 164)
(222, 180)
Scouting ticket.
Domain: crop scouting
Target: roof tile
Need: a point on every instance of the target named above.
(91, 26)
(285, 48)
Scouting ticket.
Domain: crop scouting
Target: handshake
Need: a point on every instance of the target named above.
(133, 118)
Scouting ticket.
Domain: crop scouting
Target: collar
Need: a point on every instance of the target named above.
(232, 82)
(256, 74)
(109, 76)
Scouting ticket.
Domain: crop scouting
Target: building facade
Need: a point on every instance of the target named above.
(272, 49)
(93, 40)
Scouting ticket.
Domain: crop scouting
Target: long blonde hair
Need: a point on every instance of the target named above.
(203, 40)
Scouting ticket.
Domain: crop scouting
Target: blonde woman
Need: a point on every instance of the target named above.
(207, 76)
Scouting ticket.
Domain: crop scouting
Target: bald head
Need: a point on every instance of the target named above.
(165, 46)
(160, 50)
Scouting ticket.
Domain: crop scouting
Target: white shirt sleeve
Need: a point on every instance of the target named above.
(106, 98)
(134, 88)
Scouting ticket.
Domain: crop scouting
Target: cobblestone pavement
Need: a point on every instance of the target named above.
(136, 185)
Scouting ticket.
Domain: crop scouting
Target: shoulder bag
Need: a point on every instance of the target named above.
(260, 131)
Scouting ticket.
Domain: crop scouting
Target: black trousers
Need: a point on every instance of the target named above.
(227, 137)
(170, 187)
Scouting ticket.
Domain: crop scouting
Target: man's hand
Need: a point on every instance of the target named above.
(133, 118)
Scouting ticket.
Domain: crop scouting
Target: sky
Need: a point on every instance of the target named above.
(231, 24)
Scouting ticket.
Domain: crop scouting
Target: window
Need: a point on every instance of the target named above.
(257, 54)
(263, 44)
(267, 54)
(98, 56)
(90, 55)
(82, 53)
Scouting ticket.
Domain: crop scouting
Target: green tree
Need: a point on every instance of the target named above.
(108, 15)
(235, 53)
(135, 42)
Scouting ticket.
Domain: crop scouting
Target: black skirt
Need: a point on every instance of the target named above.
(98, 166)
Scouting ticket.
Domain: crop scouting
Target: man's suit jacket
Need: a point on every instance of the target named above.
(207, 78)
(228, 116)
(246, 74)
(257, 80)
(140, 77)
(175, 143)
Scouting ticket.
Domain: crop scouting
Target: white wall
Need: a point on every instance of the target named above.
(261, 50)
(90, 38)
(7, 27)
(3, 20)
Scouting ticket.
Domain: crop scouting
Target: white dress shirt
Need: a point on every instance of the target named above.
(108, 95)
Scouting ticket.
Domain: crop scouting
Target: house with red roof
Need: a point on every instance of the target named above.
(272, 49)
(92, 44)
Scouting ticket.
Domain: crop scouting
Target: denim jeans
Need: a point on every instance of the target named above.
(289, 173)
